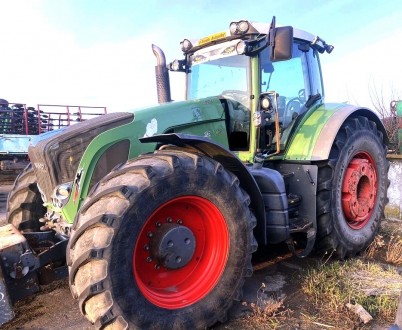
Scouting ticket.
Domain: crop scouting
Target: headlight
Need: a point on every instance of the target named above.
(241, 47)
(240, 27)
(61, 194)
(265, 102)
(175, 65)
(186, 45)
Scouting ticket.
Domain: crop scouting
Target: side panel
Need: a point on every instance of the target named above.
(315, 135)
(302, 182)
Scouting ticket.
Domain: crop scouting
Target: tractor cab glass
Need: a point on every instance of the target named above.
(289, 79)
(219, 71)
(292, 80)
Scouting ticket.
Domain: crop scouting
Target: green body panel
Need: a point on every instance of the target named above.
(303, 142)
(248, 156)
(203, 117)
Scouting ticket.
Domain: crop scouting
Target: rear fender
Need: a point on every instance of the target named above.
(314, 137)
(230, 162)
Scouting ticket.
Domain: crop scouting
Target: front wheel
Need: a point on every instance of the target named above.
(163, 242)
(24, 203)
(352, 189)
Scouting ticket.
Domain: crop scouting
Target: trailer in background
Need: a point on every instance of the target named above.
(20, 123)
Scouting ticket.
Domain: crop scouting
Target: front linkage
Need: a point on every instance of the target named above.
(28, 260)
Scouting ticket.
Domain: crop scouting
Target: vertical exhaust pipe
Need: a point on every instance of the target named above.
(162, 76)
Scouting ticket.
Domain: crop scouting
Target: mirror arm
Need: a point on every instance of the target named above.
(271, 36)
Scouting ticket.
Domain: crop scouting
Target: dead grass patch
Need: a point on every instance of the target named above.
(394, 250)
(373, 286)
(387, 245)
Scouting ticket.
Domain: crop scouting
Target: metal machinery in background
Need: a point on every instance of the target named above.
(19, 123)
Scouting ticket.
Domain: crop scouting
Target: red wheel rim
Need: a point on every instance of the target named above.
(178, 288)
(359, 190)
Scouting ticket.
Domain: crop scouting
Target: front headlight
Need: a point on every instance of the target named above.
(61, 194)
(186, 45)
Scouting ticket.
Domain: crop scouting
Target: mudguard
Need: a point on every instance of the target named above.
(314, 137)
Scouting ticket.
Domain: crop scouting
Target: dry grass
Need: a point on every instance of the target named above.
(387, 246)
(333, 285)
(374, 247)
(320, 293)
(268, 310)
(394, 250)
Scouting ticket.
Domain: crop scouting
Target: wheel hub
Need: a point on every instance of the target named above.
(172, 245)
(359, 192)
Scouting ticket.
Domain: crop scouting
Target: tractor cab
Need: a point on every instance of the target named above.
(263, 76)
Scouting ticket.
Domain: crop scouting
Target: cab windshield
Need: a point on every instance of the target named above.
(218, 70)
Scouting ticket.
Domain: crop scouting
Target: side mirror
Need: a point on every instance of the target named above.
(281, 50)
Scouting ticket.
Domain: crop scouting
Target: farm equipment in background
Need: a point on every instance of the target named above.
(19, 124)
(163, 207)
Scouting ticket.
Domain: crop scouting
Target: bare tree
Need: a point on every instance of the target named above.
(386, 108)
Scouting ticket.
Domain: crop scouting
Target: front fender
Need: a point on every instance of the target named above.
(314, 137)
(230, 162)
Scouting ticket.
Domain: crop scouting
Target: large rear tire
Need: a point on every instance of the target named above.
(162, 242)
(24, 204)
(352, 189)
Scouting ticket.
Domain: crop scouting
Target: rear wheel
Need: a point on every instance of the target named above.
(352, 189)
(24, 204)
(164, 241)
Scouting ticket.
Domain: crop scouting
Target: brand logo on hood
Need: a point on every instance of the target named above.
(152, 128)
(40, 167)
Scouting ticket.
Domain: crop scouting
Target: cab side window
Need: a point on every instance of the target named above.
(289, 79)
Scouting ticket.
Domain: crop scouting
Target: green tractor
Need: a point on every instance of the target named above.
(160, 210)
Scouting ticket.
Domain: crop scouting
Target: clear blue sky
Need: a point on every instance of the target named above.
(97, 52)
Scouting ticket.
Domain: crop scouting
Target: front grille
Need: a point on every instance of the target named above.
(55, 159)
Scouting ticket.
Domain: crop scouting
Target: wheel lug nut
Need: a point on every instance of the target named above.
(149, 259)
(170, 244)
(157, 267)
(169, 220)
(158, 224)
(150, 234)
(187, 241)
(178, 259)
(180, 221)
(146, 247)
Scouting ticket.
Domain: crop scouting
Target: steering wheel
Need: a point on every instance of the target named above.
(294, 105)
(236, 95)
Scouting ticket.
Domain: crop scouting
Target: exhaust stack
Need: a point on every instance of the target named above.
(162, 76)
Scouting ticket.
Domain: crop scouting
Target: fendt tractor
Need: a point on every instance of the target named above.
(159, 211)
